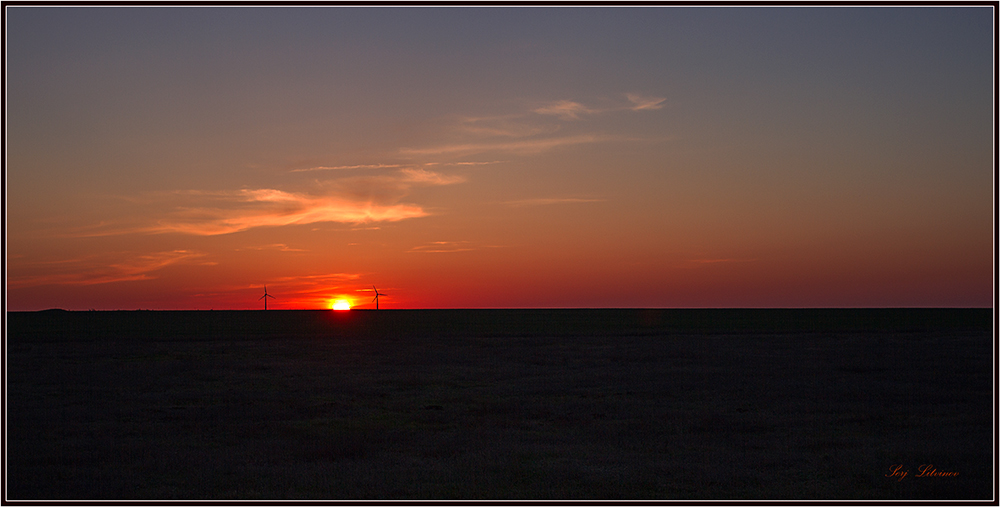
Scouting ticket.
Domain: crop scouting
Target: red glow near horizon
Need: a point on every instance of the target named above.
(657, 185)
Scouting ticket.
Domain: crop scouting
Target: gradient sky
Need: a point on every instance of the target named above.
(183, 157)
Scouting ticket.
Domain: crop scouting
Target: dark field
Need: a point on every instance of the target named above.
(500, 404)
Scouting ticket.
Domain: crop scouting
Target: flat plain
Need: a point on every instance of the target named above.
(501, 404)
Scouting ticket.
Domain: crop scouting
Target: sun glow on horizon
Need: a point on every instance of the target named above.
(518, 180)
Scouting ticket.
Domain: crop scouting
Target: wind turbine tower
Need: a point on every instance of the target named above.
(265, 296)
(377, 294)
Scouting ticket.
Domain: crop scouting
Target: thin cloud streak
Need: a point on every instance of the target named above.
(92, 271)
(565, 110)
(276, 246)
(401, 167)
(525, 133)
(641, 103)
(473, 163)
(449, 247)
(356, 200)
(569, 110)
(442, 247)
(299, 210)
(451, 250)
(429, 177)
(522, 147)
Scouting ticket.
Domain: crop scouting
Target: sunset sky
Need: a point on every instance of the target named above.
(480, 157)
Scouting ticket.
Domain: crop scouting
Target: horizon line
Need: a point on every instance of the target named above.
(520, 308)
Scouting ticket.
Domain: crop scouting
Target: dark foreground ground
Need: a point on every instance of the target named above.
(500, 404)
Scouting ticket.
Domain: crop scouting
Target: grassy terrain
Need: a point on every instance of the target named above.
(518, 404)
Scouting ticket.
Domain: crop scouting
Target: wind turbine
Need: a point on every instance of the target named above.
(265, 296)
(377, 294)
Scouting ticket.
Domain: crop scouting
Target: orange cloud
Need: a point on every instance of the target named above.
(355, 200)
(275, 208)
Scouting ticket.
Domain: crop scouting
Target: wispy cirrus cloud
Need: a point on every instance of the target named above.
(449, 247)
(529, 132)
(387, 188)
(405, 169)
(94, 270)
(526, 146)
(423, 176)
(641, 103)
(281, 247)
(248, 209)
(443, 247)
(355, 200)
(571, 110)
(471, 163)
(565, 109)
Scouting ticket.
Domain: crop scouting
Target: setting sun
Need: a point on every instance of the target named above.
(341, 304)
(486, 183)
